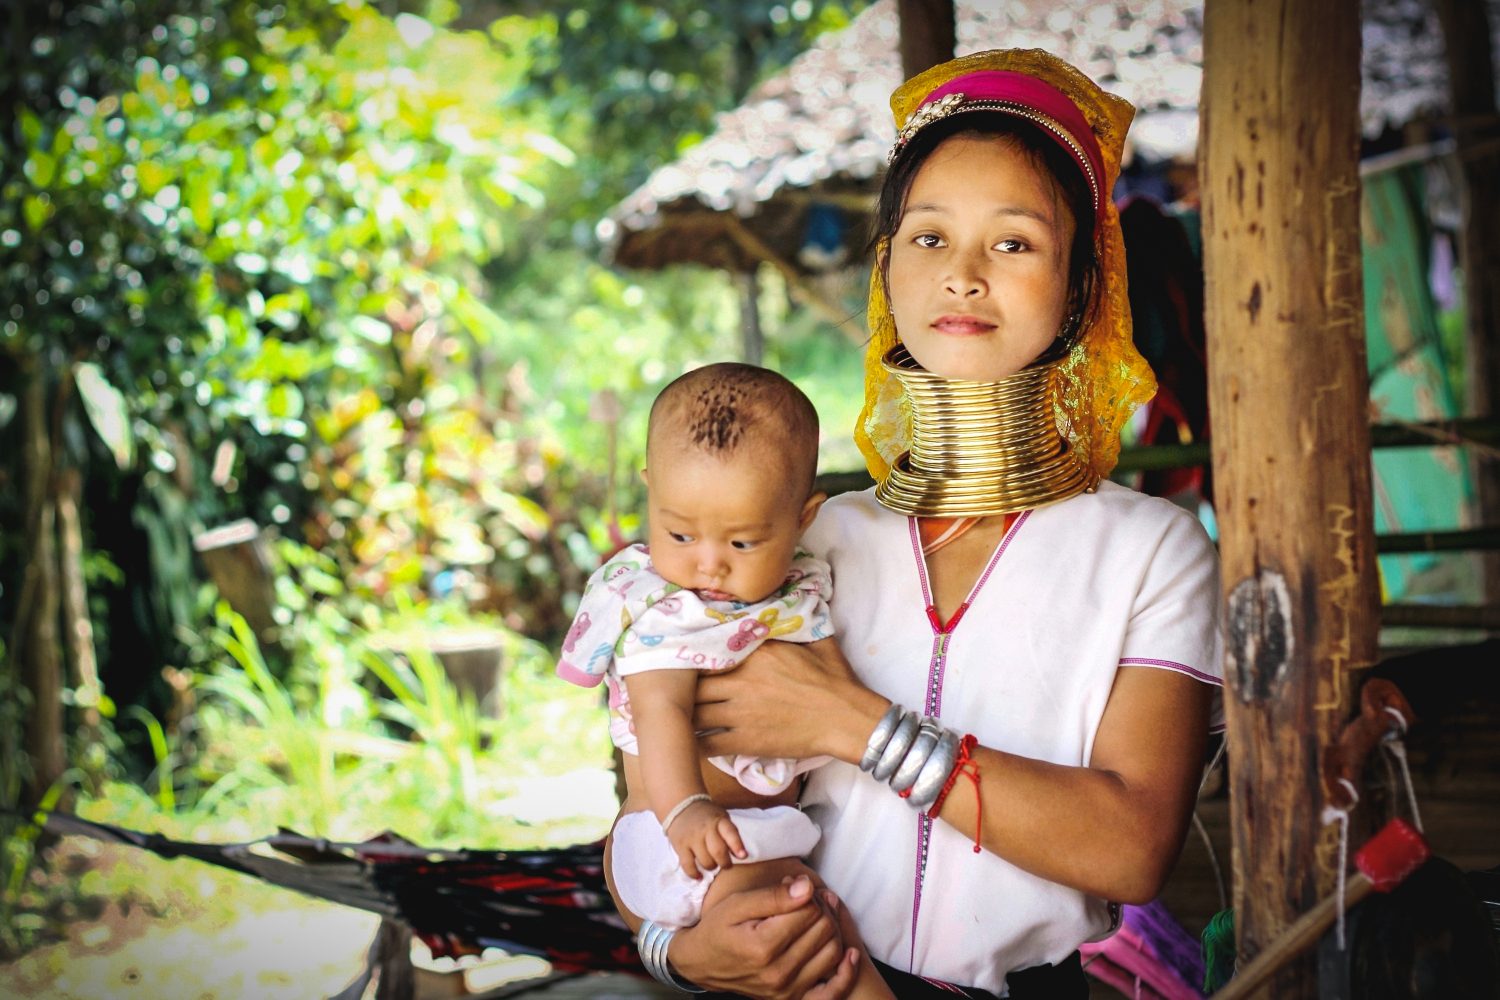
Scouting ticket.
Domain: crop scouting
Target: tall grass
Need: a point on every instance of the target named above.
(349, 739)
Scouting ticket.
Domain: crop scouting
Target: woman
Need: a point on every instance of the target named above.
(1061, 630)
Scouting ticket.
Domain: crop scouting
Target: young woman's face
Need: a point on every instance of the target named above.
(978, 271)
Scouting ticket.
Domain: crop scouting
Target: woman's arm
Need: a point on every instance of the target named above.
(1111, 829)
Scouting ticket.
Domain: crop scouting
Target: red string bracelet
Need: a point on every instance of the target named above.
(965, 765)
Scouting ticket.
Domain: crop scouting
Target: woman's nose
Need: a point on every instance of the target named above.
(967, 278)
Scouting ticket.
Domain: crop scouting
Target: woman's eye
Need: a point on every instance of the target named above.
(1010, 246)
(744, 546)
(928, 240)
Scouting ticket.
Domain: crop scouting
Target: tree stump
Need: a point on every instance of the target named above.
(239, 563)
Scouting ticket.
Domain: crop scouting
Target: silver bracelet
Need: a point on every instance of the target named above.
(652, 941)
(895, 750)
(680, 807)
(929, 782)
(880, 736)
(918, 755)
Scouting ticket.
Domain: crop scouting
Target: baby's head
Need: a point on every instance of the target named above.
(730, 459)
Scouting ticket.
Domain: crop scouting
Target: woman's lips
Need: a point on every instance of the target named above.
(962, 326)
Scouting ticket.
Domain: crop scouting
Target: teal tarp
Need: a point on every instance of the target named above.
(1416, 489)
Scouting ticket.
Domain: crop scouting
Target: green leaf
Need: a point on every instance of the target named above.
(284, 401)
(106, 409)
(479, 319)
(200, 199)
(153, 177)
(40, 168)
(37, 209)
(31, 127)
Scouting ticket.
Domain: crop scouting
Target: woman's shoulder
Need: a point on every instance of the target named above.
(1114, 506)
(1131, 525)
(846, 518)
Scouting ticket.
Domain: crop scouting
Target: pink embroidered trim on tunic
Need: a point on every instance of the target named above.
(1181, 668)
(936, 664)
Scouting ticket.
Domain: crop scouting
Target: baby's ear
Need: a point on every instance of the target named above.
(810, 510)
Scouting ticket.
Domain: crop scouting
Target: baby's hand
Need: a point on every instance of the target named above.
(704, 838)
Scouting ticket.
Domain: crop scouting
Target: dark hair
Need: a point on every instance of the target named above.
(1044, 150)
(718, 407)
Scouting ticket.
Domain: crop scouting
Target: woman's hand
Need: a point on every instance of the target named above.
(781, 943)
(788, 700)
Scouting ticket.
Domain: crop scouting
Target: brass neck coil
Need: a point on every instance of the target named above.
(980, 448)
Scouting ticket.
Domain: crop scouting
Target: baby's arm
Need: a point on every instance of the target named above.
(661, 703)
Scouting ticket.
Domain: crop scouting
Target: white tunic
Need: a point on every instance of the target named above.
(1078, 589)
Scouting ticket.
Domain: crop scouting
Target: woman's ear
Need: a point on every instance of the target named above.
(810, 510)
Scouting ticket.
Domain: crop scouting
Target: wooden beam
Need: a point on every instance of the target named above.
(1289, 393)
(1479, 435)
(800, 288)
(855, 202)
(928, 33)
(1446, 616)
(1465, 540)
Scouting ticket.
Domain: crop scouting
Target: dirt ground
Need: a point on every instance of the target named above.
(302, 951)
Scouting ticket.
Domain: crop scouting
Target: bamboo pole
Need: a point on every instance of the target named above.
(1289, 394)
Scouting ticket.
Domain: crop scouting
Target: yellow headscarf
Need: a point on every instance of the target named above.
(1104, 378)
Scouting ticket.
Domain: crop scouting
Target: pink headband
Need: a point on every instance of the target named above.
(1026, 97)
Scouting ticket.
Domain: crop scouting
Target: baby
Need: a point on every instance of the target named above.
(730, 456)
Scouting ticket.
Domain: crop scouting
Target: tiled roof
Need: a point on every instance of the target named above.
(820, 129)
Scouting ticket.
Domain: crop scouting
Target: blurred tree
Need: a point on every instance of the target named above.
(632, 84)
(331, 268)
(204, 238)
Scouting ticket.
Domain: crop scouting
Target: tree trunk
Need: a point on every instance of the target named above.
(78, 629)
(927, 34)
(36, 647)
(1291, 442)
(238, 562)
(1471, 82)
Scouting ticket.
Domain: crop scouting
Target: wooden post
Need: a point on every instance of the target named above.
(752, 339)
(1471, 82)
(1291, 443)
(927, 34)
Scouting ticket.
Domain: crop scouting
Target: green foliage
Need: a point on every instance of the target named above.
(333, 268)
(631, 85)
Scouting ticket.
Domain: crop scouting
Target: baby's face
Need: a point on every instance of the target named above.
(724, 528)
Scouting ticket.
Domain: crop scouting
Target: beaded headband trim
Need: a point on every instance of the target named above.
(1025, 97)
